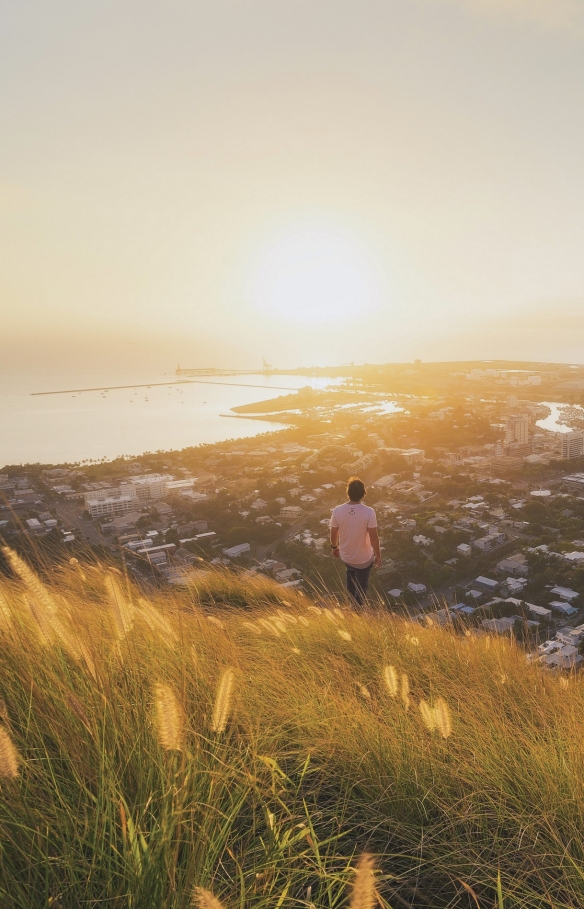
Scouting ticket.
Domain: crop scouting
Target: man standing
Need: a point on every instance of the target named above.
(355, 540)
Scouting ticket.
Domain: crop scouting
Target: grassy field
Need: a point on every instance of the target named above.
(238, 738)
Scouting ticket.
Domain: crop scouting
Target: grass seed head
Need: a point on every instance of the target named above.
(9, 759)
(363, 895)
(170, 718)
(442, 716)
(222, 702)
(390, 677)
(428, 716)
(204, 899)
(344, 635)
(32, 582)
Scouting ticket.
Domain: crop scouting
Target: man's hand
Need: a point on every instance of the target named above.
(335, 542)
(374, 540)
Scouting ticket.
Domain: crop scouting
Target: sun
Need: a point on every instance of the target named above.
(313, 274)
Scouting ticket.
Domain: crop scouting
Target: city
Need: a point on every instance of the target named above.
(480, 508)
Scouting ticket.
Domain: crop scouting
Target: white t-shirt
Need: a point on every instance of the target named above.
(354, 520)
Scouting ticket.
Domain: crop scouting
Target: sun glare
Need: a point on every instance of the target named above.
(315, 275)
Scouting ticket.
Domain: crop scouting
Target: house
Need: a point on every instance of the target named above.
(288, 574)
(564, 593)
(571, 635)
(567, 657)
(421, 540)
(562, 606)
(485, 544)
(417, 588)
(235, 551)
(539, 610)
(515, 565)
(34, 525)
(464, 549)
(291, 512)
(500, 626)
(516, 585)
(487, 583)
(258, 504)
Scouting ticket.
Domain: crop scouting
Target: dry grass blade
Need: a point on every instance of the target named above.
(170, 719)
(204, 899)
(5, 614)
(222, 702)
(78, 710)
(122, 610)
(405, 690)
(155, 621)
(9, 759)
(363, 895)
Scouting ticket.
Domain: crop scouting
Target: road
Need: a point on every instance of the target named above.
(70, 513)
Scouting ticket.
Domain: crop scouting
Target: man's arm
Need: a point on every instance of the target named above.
(374, 538)
(335, 541)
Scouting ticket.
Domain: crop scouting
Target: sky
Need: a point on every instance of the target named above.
(212, 182)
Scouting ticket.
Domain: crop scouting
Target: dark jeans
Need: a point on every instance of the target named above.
(358, 582)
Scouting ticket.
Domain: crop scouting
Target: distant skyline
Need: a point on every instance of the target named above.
(214, 182)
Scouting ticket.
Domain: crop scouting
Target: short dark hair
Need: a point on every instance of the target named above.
(356, 489)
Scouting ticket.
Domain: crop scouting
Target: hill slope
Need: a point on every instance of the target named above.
(240, 738)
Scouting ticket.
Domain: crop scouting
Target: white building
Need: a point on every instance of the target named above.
(411, 455)
(572, 445)
(517, 429)
(291, 511)
(238, 550)
(110, 505)
(417, 588)
(151, 486)
(464, 549)
(565, 593)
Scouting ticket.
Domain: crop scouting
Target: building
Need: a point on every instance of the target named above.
(515, 565)
(464, 549)
(417, 588)
(517, 429)
(487, 583)
(291, 512)
(109, 505)
(575, 482)
(565, 593)
(500, 626)
(151, 486)
(572, 445)
(411, 455)
(485, 544)
(235, 551)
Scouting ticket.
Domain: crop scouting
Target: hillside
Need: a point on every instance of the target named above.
(240, 738)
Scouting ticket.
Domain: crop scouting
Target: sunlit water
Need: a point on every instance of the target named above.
(551, 422)
(53, 429)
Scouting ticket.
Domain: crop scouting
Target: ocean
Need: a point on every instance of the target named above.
(95, 425)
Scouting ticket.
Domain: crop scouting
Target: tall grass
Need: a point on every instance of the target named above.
(150, 757)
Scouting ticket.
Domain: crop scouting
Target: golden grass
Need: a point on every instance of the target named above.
(322, 758)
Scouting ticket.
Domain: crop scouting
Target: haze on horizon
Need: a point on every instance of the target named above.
(215, 181)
